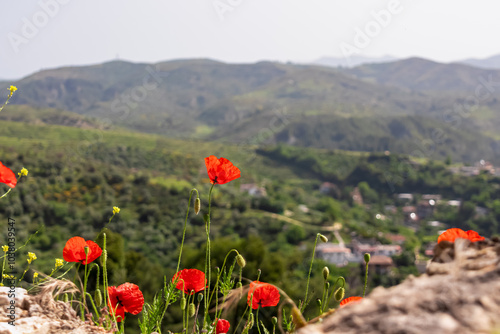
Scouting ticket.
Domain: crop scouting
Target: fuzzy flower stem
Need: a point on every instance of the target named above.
(257, 320)
(304, 303)
(220, 272)
(185, 225)
(207, 259)
(366, 279)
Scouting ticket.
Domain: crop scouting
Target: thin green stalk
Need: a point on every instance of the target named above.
(85, 277)
(257, 320)
(185, 225)
(366, 279)
(92, 302)
(220, 273)
(207, 257)
(304, 303)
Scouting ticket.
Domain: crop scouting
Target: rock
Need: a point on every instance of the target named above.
(460, 293)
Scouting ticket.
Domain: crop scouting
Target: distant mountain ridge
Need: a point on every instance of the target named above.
(372, 107)
(492, 62)
(352, 61)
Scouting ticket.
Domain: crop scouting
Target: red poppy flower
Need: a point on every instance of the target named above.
(74, 251)
(190, 280)
(264, 294)
(222, 326)
(221, 170)
(7, 176)
(454, 233)
(125, 298)
(350, 300)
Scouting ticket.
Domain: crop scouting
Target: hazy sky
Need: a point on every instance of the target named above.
(51, 33)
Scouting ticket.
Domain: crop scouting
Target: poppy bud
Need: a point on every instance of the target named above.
(98, 297)
(327, 285)
(339, 294)
(326, 273)
(200, 297)
(241, 261)
(367, 257)
(86, 250)
(322, 237)
(104, 257)
(274, 320)
(192, 309)
(183, 303)
(318, 302)
(197, 205)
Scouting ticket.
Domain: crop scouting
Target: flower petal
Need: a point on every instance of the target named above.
(350, 300)
(7, 176)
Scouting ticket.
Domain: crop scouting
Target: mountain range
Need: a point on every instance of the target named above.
(413, 106)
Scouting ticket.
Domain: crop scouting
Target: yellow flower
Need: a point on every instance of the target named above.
(12, 89)
(23, 172)
(5, 248)
(1, 284)
(35, 275)
(59, 263)
(116, 210)
(7, 276)
(31, 257)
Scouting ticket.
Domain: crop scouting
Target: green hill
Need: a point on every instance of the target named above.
(370, 108)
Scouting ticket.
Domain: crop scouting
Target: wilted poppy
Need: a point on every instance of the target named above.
(350, 300)
(454, 233)
(222, 326)
(125, 298)
(263, 294)
(221, 170)
(7, 176)
(74, 251)
(190, 280)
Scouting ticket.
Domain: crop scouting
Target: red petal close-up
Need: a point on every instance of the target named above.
(222, 326)
(74, 250)
(125, 298)
(190, 280)
(454, 233)
(264, 294)
(221, 170)
(350, 300)
(7, 176)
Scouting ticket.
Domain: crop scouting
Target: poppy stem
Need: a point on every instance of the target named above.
(304, 302)
(185, 225)
(207, 259)
(257, 320)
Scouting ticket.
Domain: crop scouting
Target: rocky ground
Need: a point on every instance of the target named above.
(460, 293)
(39, 314)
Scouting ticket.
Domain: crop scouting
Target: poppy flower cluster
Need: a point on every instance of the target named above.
(74, 251)
(221, 170)
(353, 299)
(190, 280)
(262, 294)
(7, 176)
(125, 298)
(454, 233)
